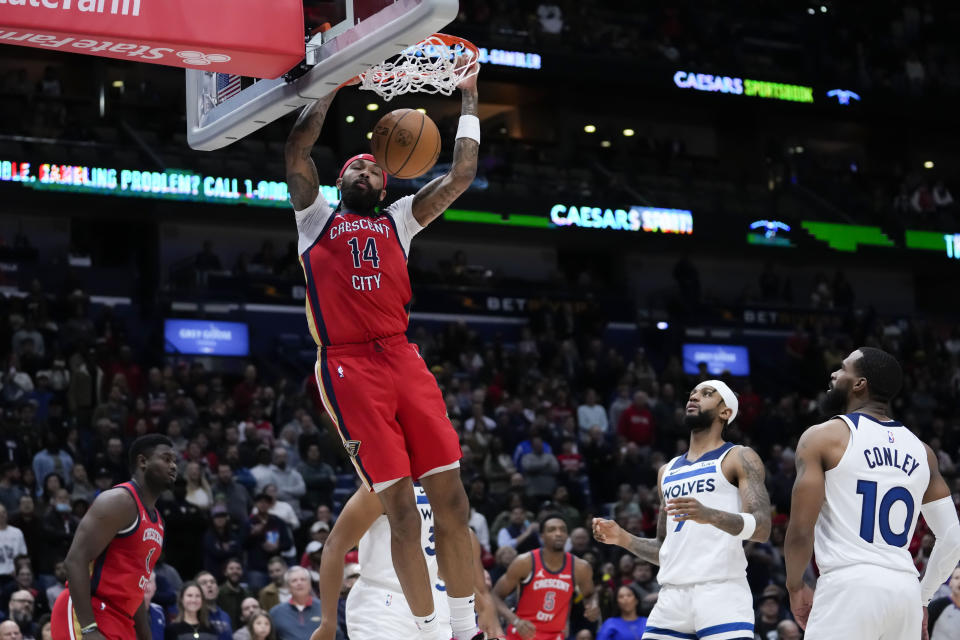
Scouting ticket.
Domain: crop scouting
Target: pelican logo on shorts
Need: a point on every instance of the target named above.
(200, 59)
(352, 447)
(890, 436)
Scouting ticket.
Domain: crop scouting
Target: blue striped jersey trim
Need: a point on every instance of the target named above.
(690, 474)
(668, 632)
(725, 628)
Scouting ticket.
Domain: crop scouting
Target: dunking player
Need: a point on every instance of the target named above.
(114, 550)
(715, 501)
(547, 577)
(373, 383)
(376, 607)
(862, 481)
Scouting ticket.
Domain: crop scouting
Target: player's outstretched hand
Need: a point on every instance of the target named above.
(470, 82)
(801, 601)
(681, 509)
(489, 623)
(924, 633)
(525, 629)
(607, 531)
(325, 632)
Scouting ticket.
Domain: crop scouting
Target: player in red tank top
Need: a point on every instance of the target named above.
(114, 551)
(373, 383)
(548, 578)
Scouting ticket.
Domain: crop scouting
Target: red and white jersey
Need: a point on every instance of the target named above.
(358, 289)
(545, 596)
(119, 574)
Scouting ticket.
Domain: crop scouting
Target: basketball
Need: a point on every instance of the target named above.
(406, 143)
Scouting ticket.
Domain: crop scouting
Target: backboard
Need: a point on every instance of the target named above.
(361, 33)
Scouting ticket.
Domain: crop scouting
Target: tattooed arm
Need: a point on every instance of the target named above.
(609, 532)
(302, 179)
(434, 198)
(749, 472)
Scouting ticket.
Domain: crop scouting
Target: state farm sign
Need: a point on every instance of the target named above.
(260, 39)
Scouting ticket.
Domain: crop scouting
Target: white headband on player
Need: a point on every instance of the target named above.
(729, 397)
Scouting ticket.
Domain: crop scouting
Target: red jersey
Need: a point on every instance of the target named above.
(358, 288)
(545, 597)
(118, 575)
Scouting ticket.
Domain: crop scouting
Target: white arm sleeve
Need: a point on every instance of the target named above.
(310, 222)
(407, 226)
(941, 517)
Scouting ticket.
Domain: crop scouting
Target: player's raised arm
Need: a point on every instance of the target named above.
(809, 492)
(941, 516)
(434, 198)
(360, 512)
(303, 183)
(519, 569)
(112, 512)
(648, 549)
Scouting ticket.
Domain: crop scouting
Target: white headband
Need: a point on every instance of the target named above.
(729, 397)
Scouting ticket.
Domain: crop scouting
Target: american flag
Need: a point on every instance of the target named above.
(228, 85)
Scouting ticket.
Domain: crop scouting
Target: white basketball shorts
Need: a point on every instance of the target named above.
(376, 613)
(721, 610)
(865, 602)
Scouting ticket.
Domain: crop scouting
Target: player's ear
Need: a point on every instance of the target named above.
(725, 414)
(383, 194)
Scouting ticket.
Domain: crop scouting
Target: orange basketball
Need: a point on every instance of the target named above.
(406, 143)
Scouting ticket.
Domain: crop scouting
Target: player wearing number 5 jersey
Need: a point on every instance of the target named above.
(712, 499)
(377, 390)
(862, 481)
(548, 579)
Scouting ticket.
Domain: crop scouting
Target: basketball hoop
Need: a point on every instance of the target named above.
(435, 65)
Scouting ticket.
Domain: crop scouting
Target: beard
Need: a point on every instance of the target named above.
(360, 201)
(700, 421)
(834, 402)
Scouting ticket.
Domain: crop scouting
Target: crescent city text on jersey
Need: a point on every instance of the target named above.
(340, 228)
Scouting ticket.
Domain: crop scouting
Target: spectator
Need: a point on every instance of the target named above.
(520, 533)
(221, 542)
(313, 554)
(289, 482)
(945, 612)
(82, 488)
(561, 502)
(319, 479)
(479, 419)
(590, 414)
(282, 510)
(628, 624)
(300, 616)
(58, 525)
(781, 483)
(185, 526)
(22, 608)
(260, 627)
(199, 493)
(12, 544)
(155, 613)
(540, 467)
(192, 621)
(228, 492)
(28, 523)
(263, 470)
(9, 630)
(788, 630)
(218, 619)
(248, 609)
(52, 459)
(646, 586)
(10, 489)
(478, 522)
(498, 466)
(233, 592)
(636, 421)
(276, 592)
(551, 18)
(768, 615)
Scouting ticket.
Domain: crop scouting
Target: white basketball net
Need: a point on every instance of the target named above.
(431, 66)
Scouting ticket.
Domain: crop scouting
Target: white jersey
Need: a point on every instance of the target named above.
(873, 497)
(694, 553)
(376, 559)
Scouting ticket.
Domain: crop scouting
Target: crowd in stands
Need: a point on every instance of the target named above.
(556, 421)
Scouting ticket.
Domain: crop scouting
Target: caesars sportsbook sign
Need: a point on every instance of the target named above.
(243, 37)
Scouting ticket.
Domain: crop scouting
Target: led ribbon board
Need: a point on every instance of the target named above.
(934, 241)
(648, 219)
(742, 86)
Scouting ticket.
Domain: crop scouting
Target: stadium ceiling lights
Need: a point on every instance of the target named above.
(928, 164)
(373, 106)
(350, 119)
(590, 128)
(628, 132)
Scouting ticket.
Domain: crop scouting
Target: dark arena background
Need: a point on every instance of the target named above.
(667, 192)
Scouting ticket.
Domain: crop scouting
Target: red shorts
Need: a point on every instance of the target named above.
(388, 409)
(113, 624)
